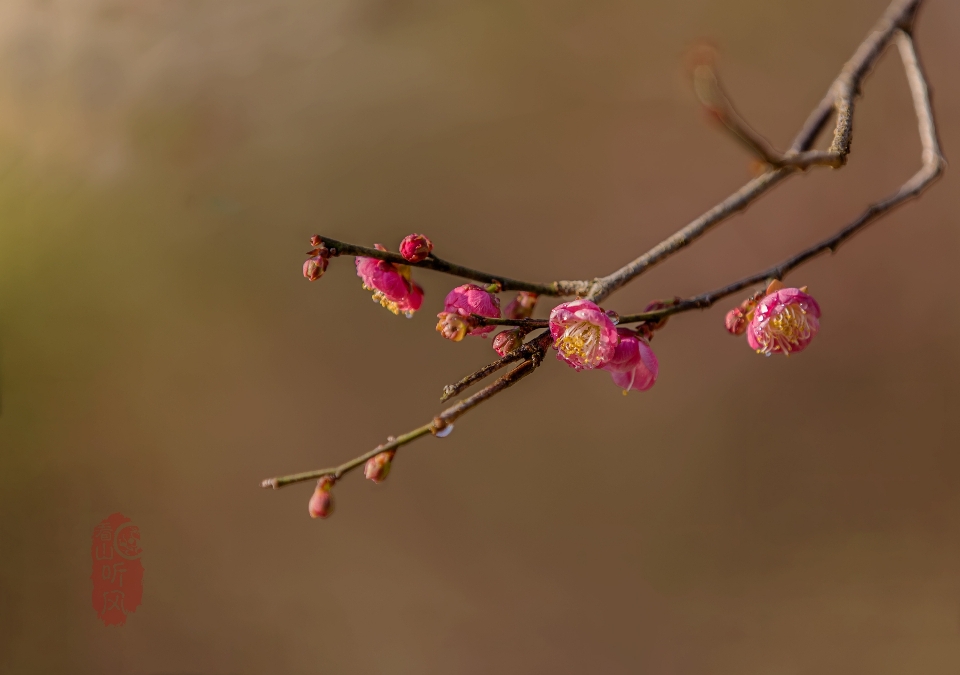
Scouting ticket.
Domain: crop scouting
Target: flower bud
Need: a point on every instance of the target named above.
(321, 503)
(521, 307)
(452, 326)
(507, 341)
(736, 322)
(314, 267)
(415, 247)
(377, 467)
(738, 318)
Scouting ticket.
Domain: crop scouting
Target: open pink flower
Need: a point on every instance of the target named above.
(469, 299)
(583, 335)
(784, 322)
(391, 284)
(415, 247)
(634, 365)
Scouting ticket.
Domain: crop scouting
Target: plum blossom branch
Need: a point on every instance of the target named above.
(533, 350)
(441, 423)
(839, 100)
(932, 166)
(782, 320)
(553, 288)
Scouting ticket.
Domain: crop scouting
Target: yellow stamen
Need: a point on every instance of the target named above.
(581, 340)
(384, 301)
(785, 331)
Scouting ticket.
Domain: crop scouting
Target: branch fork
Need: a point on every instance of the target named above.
(895, 26)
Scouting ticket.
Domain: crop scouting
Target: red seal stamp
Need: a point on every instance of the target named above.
(117, 571)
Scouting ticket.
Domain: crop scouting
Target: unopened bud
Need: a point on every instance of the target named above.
(415, 247)
(736, 322)
(452, 326)
(314, 267)
(739, 318)
(507, 341)
(377, 467)
(521, 307)
(321, 503)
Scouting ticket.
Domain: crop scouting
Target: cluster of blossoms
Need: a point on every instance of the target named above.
(586, 338)
(778, 320)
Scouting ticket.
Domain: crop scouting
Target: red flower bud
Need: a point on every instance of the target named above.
(314, 267)
(507, 341)
(415, 247)
(377, 467)
(521, 307)
(736, 321)
(739, 318)
(321, 503)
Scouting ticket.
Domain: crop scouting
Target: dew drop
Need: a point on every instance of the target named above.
(409, 315)
(443, 433)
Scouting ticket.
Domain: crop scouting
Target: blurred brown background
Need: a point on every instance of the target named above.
(162, 166)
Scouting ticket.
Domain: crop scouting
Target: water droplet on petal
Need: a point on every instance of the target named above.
(443, 433)
(409, 315)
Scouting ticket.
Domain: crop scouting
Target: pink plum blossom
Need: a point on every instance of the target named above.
(377, 467)
(634, 365)
(469, 299)
(521, 307)
(321, 503)
(784, 322)
(583, 335)
(391, 284)
(415, 247)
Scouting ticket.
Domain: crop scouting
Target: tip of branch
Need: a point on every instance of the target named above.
(270, 483)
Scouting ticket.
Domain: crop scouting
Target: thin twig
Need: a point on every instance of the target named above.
(715, 100)
(533, 350)
(896, 24)
(932, 166)
(554, 288)
(900, 15)
(520, 323)
(442, 421)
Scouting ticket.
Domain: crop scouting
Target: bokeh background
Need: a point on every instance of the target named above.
(162, 166)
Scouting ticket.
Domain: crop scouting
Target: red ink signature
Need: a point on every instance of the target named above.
(117, 571)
